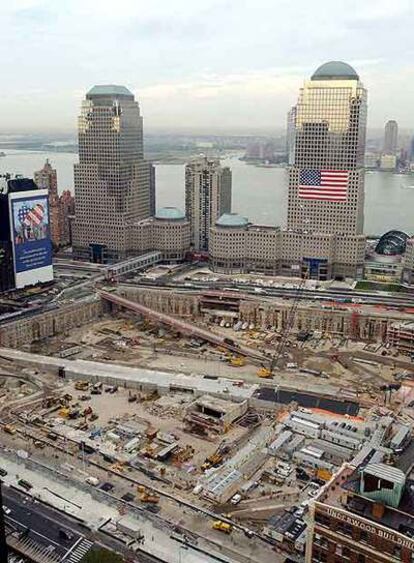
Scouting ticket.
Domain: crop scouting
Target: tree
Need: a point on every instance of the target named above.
(101, 555)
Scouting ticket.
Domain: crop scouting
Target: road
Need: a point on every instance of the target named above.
(44, 525)
(403, 300)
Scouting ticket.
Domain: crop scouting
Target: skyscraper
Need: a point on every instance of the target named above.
(46, 179)
(112, 179)
(66, 212)
(207, 197)
(153, 202)
(326, 177)
(390, 137)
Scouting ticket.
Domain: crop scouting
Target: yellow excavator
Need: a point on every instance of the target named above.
(264, 372)
(237, 361)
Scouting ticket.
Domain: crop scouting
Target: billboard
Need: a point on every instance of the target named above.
(30, 235)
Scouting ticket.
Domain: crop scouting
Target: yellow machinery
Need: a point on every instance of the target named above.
(222, 526)
(264, 372)
(117, 467)
(9, 429)
(81, 385)
(64, 412)
(144, 496)
(237, 361)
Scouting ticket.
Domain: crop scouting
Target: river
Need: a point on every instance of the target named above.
(258, 193)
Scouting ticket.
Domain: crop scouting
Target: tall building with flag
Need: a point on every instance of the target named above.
(324, 236)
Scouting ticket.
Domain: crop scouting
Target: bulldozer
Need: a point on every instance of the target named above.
(81, 385)
(264, 373)
(237, 361)
(222, 526)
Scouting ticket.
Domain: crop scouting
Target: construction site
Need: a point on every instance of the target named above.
(232, 407)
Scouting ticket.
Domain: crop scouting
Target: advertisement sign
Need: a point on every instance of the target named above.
(30, 235)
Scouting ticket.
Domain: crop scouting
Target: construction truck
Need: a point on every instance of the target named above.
(145, 496)
(81, 385)
(264, 373)
(64, 412)
(212, 460)
(237, 361)
(222, 526)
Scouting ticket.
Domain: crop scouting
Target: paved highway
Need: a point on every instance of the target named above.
(38, 522)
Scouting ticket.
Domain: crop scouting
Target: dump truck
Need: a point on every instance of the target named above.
(146, 497)
(222, 526)
(237, 362)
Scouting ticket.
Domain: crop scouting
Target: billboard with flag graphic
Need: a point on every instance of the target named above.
(32, 247)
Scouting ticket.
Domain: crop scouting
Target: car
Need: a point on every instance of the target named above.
(25, 484)
(236, 499)
(66, 535)
(3, 472)
(6, 510)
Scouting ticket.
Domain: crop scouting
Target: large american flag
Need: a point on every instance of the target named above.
(327, 185)
(31, 216)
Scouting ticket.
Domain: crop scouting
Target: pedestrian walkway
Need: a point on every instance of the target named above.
(79, 551)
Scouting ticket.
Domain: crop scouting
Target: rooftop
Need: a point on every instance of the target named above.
(347, 480)
(110, 90)
(387, 472)
(335, 70)
(170, 214)
(232, 220)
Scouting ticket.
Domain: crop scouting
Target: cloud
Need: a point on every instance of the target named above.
(203, 64)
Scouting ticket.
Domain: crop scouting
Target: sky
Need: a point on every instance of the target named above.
(206, 66)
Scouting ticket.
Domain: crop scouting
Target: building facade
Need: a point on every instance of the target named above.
(66, 214)
(207, 197)
(168, 232)
(46, 179)
(325, 217)
(112, 179)
(390, 137)
(326, 178)
(363, 516)
(237, 246)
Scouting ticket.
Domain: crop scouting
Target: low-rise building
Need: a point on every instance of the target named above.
(168, 232)
(388, 162)
(400, 336)
(238, 246)
(363, 516)
(208, 413)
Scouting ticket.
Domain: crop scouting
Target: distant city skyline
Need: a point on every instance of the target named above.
(209, 67)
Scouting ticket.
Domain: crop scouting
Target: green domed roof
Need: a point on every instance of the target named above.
(170, 214)
(110, 90)
(335, 70)
(232, 220)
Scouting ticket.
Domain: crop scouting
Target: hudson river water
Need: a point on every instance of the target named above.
(258, 193)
